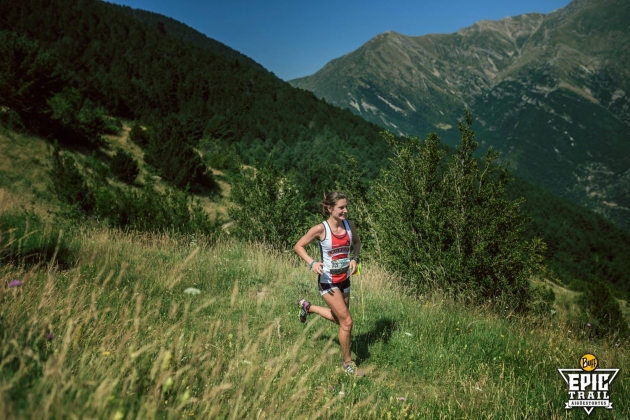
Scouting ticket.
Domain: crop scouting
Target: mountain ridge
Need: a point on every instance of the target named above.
(549, 90)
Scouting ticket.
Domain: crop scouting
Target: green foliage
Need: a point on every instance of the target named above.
(124, 166)
(176, 161)
(600, 311)
(98, 170)
(268, 207)
(543, 298)
(147, 210)
(11, 120)
(581, 245)
(450, 224)
(353, 183)
(78, 118)
(29, 76)
(68, 183)
(220, 155)
(144, 210)
(138, 135)
(26, 241)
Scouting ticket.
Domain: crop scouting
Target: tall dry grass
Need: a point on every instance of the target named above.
(115, 335)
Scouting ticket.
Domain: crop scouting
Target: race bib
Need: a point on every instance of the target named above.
(339, 266)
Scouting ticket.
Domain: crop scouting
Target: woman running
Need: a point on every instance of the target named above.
(335, 235)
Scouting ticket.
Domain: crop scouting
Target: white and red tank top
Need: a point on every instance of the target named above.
(335, 252)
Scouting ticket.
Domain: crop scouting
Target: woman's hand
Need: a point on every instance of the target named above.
(353, 266)
(318, 268)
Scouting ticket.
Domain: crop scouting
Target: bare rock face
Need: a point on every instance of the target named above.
(550, 92)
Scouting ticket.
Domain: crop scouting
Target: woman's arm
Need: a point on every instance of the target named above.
(316, 232)
(356, 248)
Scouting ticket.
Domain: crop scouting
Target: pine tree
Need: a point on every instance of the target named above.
(449, 224)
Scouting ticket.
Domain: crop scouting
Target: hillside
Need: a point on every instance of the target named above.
(551, 92)
(247, 115)
(143, 325)
(100, 56)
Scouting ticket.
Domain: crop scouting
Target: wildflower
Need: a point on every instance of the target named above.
(15, 283)
(588, 325)
(49, 336)
(401, 398)
(106, 353)
(192, 291)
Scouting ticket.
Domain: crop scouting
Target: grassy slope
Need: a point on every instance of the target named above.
(25, 160)
(128, 339)
(128, 342)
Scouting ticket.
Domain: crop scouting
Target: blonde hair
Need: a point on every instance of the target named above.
(330, 200)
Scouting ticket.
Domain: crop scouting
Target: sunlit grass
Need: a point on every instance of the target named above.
(115, 336)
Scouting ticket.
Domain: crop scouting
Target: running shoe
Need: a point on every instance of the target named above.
(304, 307)
(352, 369)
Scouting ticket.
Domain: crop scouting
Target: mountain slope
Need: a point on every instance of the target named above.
(551, 92)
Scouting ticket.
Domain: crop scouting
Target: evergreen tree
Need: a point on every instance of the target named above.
(124, 166)
(68, 184)
(169, 152)
(450, 224)
(138, 135)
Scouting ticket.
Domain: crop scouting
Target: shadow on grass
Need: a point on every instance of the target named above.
(382, 332)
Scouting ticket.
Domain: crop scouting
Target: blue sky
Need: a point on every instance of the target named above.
(295, 38)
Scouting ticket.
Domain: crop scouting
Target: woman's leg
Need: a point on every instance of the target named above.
(327, 312)
(340, 314)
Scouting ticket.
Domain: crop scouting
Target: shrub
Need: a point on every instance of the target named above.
(138, 135)
(148, 210)
(177, 162)
(68, 184)
(142, 210)
(268, 208)
(450, 224)
(124, 167)
(600, 312)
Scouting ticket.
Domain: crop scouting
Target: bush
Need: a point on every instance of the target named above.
(124, 167)
(177, 162)
(68, 184)
(450, 224)
(600, 312)
(138, 135)
(77, 119)
(26, 241)
(148, 210)
(142, 210)
(268, 208)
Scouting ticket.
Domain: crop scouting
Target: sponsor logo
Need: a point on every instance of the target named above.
(589, 386)
(342, 250)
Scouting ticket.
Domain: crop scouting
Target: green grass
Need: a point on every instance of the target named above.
(129, 343)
